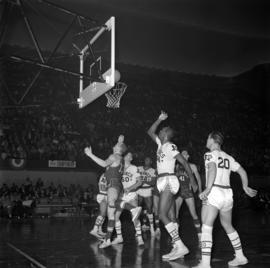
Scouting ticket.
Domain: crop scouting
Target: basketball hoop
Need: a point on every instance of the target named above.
(115, 94)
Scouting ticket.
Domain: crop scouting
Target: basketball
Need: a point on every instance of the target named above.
(117, 76)
(106, 76)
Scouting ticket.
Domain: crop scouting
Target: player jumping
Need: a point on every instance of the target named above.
(168, 184)
(113, 174)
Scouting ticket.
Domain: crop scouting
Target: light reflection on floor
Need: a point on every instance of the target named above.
(65, 242)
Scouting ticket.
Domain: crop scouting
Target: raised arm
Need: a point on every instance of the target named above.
(152, 130)
(244, 178)
(186, 166)
(99, 161)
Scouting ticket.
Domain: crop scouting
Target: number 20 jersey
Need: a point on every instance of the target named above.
(224, 164)
(148, 176)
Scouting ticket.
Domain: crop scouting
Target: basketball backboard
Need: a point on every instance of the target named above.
(102, 68)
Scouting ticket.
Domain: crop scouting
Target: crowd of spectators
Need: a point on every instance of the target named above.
(50, 126)
(39, 133)
(21, 200)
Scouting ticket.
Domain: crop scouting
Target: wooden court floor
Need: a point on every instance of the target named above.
(65, 242)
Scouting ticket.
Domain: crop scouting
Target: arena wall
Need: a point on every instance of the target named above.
(64, 177)
(85, 178)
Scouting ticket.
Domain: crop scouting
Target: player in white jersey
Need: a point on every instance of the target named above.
(102, 201)
(168, 184)
(145, 194)
(131, 180)
(218, 199)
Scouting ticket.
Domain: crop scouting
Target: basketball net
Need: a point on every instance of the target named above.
(115, 94)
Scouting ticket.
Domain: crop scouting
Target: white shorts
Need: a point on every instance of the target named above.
(145, 192)
(130, 197)
(170, 181)
(221, 198)
(101, 198)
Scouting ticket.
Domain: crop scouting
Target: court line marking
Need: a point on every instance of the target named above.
(26, 256)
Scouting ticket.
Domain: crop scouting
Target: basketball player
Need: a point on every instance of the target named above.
(131, 180)
(218, 199)
(168, 184)
(145, 195)
(113, 174)
(185, 192)
(102, 201)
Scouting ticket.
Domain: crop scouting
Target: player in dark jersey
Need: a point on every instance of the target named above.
(145, 191)
(113, 174)
(185, 193)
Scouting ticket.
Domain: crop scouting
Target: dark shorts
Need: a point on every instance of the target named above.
(185, 192)
(113, 183)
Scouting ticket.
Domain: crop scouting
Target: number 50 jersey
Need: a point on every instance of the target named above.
(130, 176)
(224, 165)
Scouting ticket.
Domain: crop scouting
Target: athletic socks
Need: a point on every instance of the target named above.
(99, 221)
(197, 225)
(206, 244)
(138, 228)
(110, 228)
(173, 231)
(156, 221)
(236, 243)
(118, 228)
(151, 220)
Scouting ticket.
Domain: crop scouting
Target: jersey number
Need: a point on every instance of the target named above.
(223, 163)
(125, 179)
(182, 178)
(103, 180)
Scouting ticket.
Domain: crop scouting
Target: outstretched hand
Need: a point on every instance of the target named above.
(88, 151)
(163, 116)
(121, 139)
(250, 192)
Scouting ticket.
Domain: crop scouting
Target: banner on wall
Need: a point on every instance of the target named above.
(61, 164)
(16, 163)
(30, 164)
